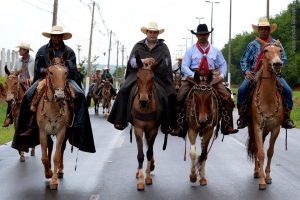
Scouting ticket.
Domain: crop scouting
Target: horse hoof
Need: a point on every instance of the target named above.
(32, 153)
(203, 182)
(53, 186)
(22, 158)
(148, 181)
(268, 180)
(48, 175)
(193, 178)
(262, 186)
(140, 187)
(256, 175)
(60, 174)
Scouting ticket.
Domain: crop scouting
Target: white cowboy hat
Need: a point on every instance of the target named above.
(152, 27)
(179, 58)
(24, 45)
(98, 69)
(264, 22)
(57, 30)
(105, 68)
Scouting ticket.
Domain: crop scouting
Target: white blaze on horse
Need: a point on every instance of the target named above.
(266, 112)
(14, 95)
(54, 115)
(202, 113)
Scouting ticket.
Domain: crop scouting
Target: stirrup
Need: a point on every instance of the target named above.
(241, 123)
(288, 124)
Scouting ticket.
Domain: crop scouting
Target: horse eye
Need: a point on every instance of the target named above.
(51, 73)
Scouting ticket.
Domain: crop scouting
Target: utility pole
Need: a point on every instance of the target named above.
(78, 49)
(268, 8)
(122, 56)
(54, 19)
(229, 48)
(109, 48)
(117, 53)
(87, 80)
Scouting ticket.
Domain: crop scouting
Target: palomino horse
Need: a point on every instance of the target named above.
(266, 112)
(54, 116)
(14, 95)
(106, 97)
(144, 114)
(202, 111)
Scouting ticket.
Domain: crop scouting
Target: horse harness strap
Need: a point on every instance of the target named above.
(144, 116)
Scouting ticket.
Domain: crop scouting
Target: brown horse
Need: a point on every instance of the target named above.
(96, 96)
(266, 112)
(177, 80)
(144, 114)
(202, 111)
(54, 116)
(106, 97)
(14, 95)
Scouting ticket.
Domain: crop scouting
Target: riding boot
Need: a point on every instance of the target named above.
(29, 131)
(287, 122)
(242, 121)
(181, 126)
(227, 119)
(9, 118)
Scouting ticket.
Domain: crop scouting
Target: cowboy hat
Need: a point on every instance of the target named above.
(57, 30)
(105, 68)
(201, 30)
(24, 45)
(152, 27)
(98, 69)
(264, 22)
(179, 58)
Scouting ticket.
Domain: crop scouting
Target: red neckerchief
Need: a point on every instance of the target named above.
(260, 56)
(203, 63)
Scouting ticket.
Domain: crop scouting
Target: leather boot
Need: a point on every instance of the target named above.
(227, 119)
(242, 121)
(9, 118)
(287, 122)
(29, 131)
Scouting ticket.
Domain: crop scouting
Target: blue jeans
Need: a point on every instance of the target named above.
(91, 88)
(287, 93)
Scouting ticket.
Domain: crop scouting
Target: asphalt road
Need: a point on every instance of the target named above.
(109, 173)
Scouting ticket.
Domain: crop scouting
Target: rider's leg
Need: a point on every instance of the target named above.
(288, 100)
(241, 104)
(9, 118)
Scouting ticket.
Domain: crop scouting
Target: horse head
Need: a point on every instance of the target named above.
(12, 85)
(145, 78)
(272, 55)
(57, 76)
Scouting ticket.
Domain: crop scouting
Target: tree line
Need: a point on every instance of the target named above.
(290, 42)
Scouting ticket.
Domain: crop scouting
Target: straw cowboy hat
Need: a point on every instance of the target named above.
(201, 29)
(179, 58)
(24, 45)
(57, 30)
(152, 27)
(264, 22)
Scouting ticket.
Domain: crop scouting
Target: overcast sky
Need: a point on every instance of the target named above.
(25, 20)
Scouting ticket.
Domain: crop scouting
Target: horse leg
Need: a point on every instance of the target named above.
(192, 137)
(45, 156)
(60, 172)
(32, 152)
(260, 157)
(22, 156)
(203, 157)
(140, 157)
(150, 157)
(270, 153)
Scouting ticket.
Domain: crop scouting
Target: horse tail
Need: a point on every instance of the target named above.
(251, 146)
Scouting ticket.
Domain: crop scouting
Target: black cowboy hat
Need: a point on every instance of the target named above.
(202, 29)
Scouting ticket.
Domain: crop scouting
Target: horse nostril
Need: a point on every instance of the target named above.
(143, 103)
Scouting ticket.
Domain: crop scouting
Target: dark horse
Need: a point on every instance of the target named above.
(266, 112)
(202, 111)
(145, 122)
(54, 116)
(96, 96)
(14, 95)
(106, 97)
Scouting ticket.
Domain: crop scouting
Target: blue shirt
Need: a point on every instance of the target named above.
(249, 58)
(193, 56)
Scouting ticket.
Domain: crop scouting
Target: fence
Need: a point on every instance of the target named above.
(8, 58)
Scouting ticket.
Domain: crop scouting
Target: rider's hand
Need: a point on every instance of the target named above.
(249, 75)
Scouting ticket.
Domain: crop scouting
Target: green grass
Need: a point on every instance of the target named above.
(6, 134)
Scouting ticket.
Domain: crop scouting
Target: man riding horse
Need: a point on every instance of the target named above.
(204, 58)
(25, 67)
(251, 62)
(80, 134)
(106, 76)
(151, 49)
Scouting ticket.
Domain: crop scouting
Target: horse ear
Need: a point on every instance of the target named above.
(6, 70)
(138, 59)
(262, 42)
(277, 43)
